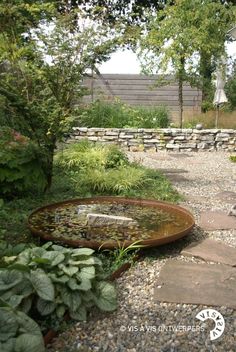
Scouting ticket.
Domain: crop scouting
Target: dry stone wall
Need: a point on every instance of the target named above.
(170, 139)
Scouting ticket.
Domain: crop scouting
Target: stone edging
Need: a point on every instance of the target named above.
(170, 139)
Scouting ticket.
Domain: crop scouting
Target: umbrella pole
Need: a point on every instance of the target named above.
(217, 115)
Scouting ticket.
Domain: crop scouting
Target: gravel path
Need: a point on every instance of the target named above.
(142, 324)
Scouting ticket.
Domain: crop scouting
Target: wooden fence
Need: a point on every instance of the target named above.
(135, 89)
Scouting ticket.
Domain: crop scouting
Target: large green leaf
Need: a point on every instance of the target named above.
(60, 279)
(38, 252)
(19, 267)
(71, 298)
(61, 249)
(87, 272)
(26, 304)
(15, 300)
(85, 285)
(9, 279)
(73, 284)
(82, 251)
(39, 260)
(8, 346)
(69, 270)
(106, 298)
(80, 314)
(24, 287)
(8, 324)
(42, 285)
(24, 257)
(89, 261)
(26, 324)
(45, 307)
(29, 343)
(54, 257)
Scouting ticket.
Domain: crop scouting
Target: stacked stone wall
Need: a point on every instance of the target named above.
(170, 139)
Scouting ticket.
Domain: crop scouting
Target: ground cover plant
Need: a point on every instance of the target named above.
(119, 115)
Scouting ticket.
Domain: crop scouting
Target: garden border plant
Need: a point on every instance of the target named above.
(46, 282)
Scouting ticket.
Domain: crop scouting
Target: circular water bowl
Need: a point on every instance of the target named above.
(45, 222)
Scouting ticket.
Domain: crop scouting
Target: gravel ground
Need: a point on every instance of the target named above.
(141, 324)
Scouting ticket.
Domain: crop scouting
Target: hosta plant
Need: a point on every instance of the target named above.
(52, 280)
(18, 332)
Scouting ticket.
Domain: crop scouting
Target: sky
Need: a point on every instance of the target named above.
(127, 62)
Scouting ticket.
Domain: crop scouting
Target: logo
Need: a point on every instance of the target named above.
(218, 319)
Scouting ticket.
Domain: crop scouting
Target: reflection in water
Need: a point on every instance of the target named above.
(69, 221)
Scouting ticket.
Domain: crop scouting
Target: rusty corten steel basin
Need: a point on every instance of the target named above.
(179, 212)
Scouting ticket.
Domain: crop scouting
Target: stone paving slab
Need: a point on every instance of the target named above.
(180, 155)
(172, 171)
(177, 178)
(217, 220)
(227, 196)
(191, 283)
(213, 251)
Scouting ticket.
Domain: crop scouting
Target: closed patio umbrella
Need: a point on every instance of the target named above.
(219, 97)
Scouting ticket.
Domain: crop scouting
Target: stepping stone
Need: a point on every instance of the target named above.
(173, 171)
(213, 251)
(216, 220)
(180, 155)
(226, 196)
(206, 284)
(176, 178)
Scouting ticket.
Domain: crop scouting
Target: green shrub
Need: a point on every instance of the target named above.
(19, 163)
(119, 115)
(52, 280)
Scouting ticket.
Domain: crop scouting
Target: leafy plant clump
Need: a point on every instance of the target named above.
(18, 332)
(119, 115)
(20, 169)
(101, 169)
(233, 158)
(85, 155)
(51, 280)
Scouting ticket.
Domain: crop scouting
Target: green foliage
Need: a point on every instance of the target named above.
(85, 155)
(105, 170)
(187, 38)
(20, 169)
(114, 259)
(53, 280)
(230, 88)
(118, 115)
(18, 332)
(115, 181)
(41, 76)
(232, 158)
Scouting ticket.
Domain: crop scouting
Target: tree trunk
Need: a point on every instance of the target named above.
(48, 168)
(180, 88)
(206, 70)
